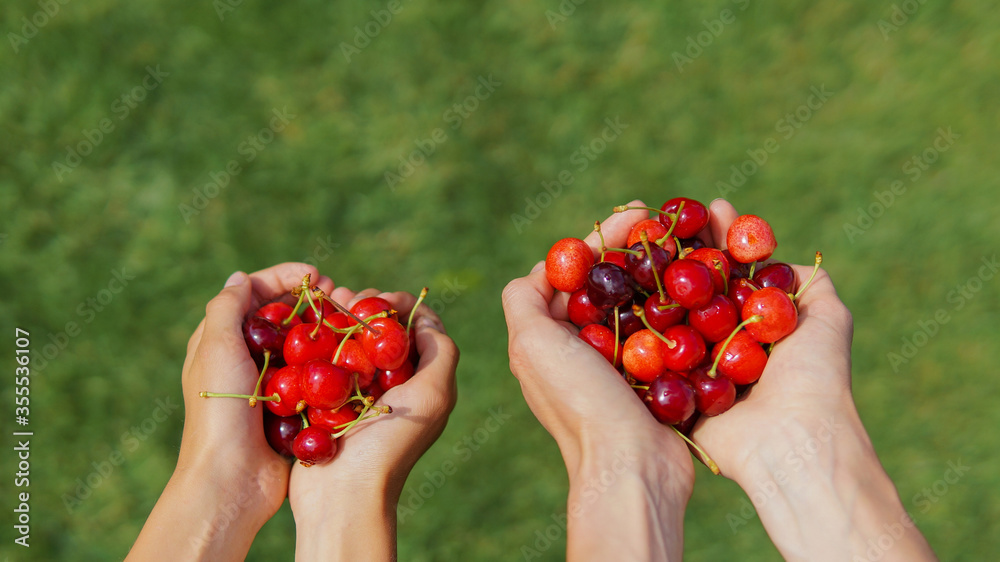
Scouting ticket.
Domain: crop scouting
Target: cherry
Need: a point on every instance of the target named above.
(743, 360)
(750, 239)
(740, 289)
(567, 264)
(368, 307)
(693, 217)
(653, 228)
(325, 307)
(394, 377)
(687, 425)
(330, 419)
(780, 275)
(281, 431)
(670, 398)
(643, 355)
(287, 384)
(712, 396)
(268, 374)
(413, 355)
(628, 322)
(279, 312)
(617, 258)
(603, 340)
(777, 310)
(354, 360)
(647, 269)
(582, 312)
(736, 269)
(325, 385)
(608, 285)
(375, 391)
(263, 335)
(689, 245)
(314, 444)
(688, 349)
(338, 320)
(717, 262)
(306, 342)
(716, 320)
(689, 282)
(387, 344)
(663, 314)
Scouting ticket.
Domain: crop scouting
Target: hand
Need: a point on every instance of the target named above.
(600, 425)
(228, 480)
(346, 509)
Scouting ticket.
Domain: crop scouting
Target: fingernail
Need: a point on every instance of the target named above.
(538, 266)
(235, 279)
(428, 322)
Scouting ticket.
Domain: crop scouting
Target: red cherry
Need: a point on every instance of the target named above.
(617, 258)
(302, 346)
(780, 275)
(642, 268)
(354, 360)
(690, 283)
(338, 320)
(744, 359)
(395, 377)
(778, 313)
(287, 384)
(692, 219)
(268, 374)
(688, 351)
(750, 239)
(278, 312)
(712, 396)
(567, 264)
(662, 318)
(609, 286)
(740, 290)
(330, 419)
(263, 335)
(643, 356)
(736, 269)
(628, 322)
(582, 312)
(716, 320)
(670, 398)
(314, 445)
(281, 431)
(717, 262)
(375, 391)
(603, 340)
(368, 307)
(309, 315)
(325, 385)
(653, 228)
(389, 346)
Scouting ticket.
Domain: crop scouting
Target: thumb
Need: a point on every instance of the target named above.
(224, 314)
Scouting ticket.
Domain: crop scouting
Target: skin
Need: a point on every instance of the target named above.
(228, 482)
(831, 505)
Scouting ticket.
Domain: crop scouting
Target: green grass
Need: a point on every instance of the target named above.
(450, 221)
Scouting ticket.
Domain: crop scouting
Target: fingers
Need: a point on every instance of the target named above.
(820, 300)
(224, 314)
(277, 281)
(617, 227)
(438, 355)
(526, 301)
(721, 215)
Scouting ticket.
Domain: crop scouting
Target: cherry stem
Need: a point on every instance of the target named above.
(256, 389)
(715, 365)
(597, 229)
(652, 264)
(355, 328)
(819, 260)
(305, 420)
(704, 456)
(295, 310)
(316, 310)
(770, 348)
(341, 308)
(368, 401)
(420, 299)
(614, 361)
(639, 386)
(667, 306)
(638, 311)
(273, 398)
(625, 251)
(673, 224)
(753, 267)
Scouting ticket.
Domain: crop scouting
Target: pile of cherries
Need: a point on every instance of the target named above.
(322, 367)
(685, 324)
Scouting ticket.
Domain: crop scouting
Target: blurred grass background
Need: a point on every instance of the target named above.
(449, 223)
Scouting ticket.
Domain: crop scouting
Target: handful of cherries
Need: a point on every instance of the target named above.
(685, 324)
(322, 367)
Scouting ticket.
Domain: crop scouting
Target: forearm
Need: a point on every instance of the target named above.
(822, 494)
(626, 506)
(347, 524)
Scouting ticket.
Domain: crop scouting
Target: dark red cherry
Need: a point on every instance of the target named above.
(750, 239)
(330, 419)
(690, 283)
(688, 350)
(780, 275)
(261, 334)
(687, 425)
(712, 396)
(743, 360)
(736, 269)
(367, 307)
(608, 286)
(287, 384)
(777, 310)
(325, 385)
(716, 320)
(567, 264)
(314, 445)
(394, 377)
(645, 270)
(628, 322)
(303, 345)
(693, 218)
(354, 360)
(689, 245)
(663, 314)
(643, 356)
(582, 312)
(281, 431)
(740, 289)
(603, 340)
(387, 344)
(670, 398)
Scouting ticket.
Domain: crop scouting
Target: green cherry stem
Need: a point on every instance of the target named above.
(597, 229)
(624, 250)
(638, 311)
(819, 260)
(420, 299)
(667, 306)
(305, 420)
(614, 356)
(704, 456)
(649, 256)
(673, 224)
(753, 267)
(715, 365)
(256, 389)
(355, 328)
(341, 308)
(273, 398)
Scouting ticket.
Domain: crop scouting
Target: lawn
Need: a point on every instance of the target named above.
(149, 149)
